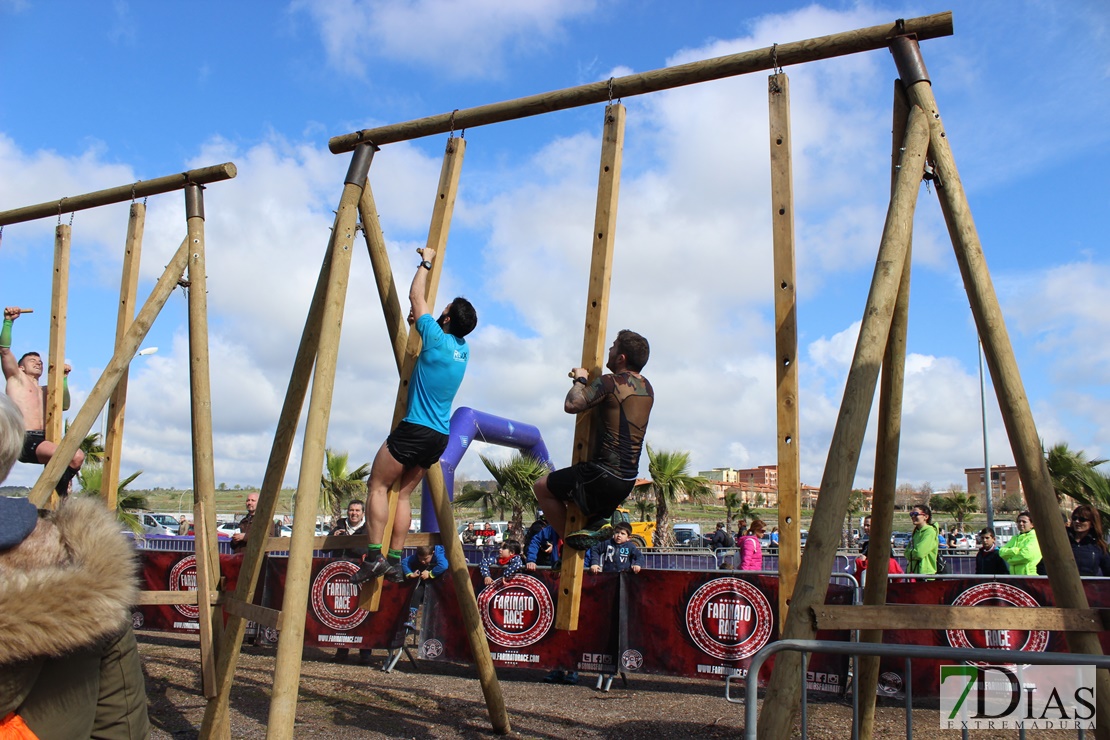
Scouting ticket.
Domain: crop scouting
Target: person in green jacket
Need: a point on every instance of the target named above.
(921, 555)
(1022, 552)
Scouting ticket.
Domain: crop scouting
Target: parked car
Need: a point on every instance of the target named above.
(226, 528)
(159, 523)
(900, 540)
(688, 534)
(495, 531)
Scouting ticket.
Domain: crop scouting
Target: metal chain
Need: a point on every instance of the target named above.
(775, 58)
(60, 210)
(451, 134)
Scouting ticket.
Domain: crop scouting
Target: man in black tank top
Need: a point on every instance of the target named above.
(623, 401)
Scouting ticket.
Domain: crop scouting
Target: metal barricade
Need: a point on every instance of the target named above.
(909, 652)
(679, 558)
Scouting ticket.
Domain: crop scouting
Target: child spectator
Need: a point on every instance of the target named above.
(987, 560)
(544, 549)
(617, 553)
(508, 558)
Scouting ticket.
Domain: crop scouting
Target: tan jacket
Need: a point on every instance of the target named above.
(69, 665)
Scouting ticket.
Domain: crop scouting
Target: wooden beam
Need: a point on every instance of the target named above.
(169, 598)
(272, 618)
(216, 722)
(395, 317)
(940, 617)
(1025, 441)
(887, 444)
(117, 404)
(98, 396)
(759, 60)
(120, 194)
(439, 229)
(207, 616)
(786, 340)
(593, 344)
(851, 424)
(468, 605)
(352, 541)
(56, 351)
(287, 666)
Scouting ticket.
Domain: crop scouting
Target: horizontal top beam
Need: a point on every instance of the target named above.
(140, 189)
(797, 52)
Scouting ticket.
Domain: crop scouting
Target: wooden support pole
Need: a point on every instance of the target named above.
(207, 616)
(287, 667)
(395, 322)
(786, 340)
(1025, 442)
(468, 604)
(593, 343)
(216, 713)
(446, 193)
(944, 617)
(56, 351)
(120, 194)
(98, 396)
(200, 387)
(840, 469)
(760, 60)
(886, 447)
(128, 298)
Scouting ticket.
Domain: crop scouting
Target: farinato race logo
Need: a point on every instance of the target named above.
(334, 598)
(997, 594)
(729, 619)
(518, 613)
(183, 577)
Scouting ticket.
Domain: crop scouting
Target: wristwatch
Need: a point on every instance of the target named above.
(582, 379)
(426, 265)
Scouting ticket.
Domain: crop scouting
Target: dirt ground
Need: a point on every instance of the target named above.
(442, 700)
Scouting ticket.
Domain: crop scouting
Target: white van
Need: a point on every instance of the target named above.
(1003, 531)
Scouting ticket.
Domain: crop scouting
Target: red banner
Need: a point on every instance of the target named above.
(177, 571)
(1022, 593)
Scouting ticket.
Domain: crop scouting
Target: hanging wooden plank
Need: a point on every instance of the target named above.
(98, 396)
(760, 60)
(786, 340)
(887, 444)
(287, 667)
(446, 193)
(54, 362)
(851, 424)
(128, 299)
(593, 343)
(943, 617)
(206, 617)
(1025, 442)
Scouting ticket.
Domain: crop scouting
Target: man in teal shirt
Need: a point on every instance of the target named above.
(418, 441)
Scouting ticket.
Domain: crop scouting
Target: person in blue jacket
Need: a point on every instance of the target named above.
(427, 562)
(544, 549)
(508, 558)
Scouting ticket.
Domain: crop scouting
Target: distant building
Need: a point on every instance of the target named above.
(1004, 480)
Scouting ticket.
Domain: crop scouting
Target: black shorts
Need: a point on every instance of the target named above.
(31, 442)
(596, 491)
(413, 444)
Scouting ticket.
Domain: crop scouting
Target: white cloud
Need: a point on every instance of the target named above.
(464, 40)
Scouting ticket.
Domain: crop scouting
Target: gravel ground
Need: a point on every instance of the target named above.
(444, 700)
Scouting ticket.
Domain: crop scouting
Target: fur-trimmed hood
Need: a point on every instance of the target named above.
(54, 610)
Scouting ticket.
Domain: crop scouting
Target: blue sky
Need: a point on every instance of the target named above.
(101, 94)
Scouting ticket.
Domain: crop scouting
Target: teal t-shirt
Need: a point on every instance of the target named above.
(437, 377)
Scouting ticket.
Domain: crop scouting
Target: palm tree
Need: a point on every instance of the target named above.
(514, 490)
(127, 502)
(93, 447)
(1074, 475)
(856, 503)
(732, 502)
(339, 485)
(669, 480)
(642, 503)
(959, 504)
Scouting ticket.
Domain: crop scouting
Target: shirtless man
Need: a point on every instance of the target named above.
(23, 388)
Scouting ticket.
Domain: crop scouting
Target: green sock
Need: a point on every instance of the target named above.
(375, 551)
(394, 556)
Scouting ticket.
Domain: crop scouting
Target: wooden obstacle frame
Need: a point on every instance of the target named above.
(111, 387)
